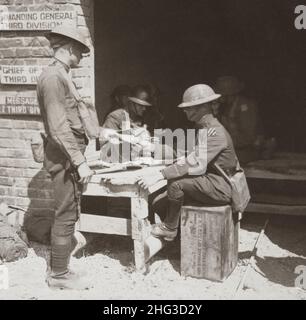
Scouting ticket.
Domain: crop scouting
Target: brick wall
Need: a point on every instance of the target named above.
(22, 181)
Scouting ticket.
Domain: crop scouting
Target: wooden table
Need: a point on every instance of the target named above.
(122, 184)
(287, 168)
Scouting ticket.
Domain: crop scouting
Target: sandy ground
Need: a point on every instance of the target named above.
(108, 262)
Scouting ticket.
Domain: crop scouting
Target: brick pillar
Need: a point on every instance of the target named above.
(22, 181)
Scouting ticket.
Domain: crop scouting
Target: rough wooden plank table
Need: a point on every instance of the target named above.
(123, 184)
(285, 168)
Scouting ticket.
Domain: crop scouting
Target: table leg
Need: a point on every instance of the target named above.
(140, 230)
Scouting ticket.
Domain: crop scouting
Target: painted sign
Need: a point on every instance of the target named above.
(20, 103)
(14, 74)
(35, 20)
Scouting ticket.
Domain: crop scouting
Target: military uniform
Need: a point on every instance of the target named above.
(66, 143)
(241, 120)
(118, 207)
(115, 119)
(205, 185)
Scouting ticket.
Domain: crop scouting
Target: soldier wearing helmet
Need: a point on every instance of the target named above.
(127, 120)
(64, 151)
(194, 178)
(132, 111)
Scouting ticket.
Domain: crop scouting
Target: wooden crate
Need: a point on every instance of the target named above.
(209, 242)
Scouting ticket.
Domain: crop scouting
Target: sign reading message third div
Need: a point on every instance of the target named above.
(19, 103)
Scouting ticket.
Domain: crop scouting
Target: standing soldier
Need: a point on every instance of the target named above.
(66, 131)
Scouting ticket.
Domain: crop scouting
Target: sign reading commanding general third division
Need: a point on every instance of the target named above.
(34, 20)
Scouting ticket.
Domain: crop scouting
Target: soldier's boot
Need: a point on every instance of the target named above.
(168, 228)
(68, 280)
(160, 230)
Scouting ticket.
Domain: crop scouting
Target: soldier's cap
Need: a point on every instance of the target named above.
(141, 96)
(228, 85)
(198, 94)
(62, 34)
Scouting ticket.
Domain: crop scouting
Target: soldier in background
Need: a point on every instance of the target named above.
(239, 115)
(120, 97)
(130, 111)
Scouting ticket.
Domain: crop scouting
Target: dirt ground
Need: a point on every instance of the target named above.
(108, 262)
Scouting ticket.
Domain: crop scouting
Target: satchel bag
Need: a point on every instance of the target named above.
(240, 190)
(87, 111)
(38, 146)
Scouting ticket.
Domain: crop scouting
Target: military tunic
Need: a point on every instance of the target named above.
(66, 143)
(196, 181)
(242, 122)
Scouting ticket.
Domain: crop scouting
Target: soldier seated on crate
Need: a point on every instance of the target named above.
(193, 178)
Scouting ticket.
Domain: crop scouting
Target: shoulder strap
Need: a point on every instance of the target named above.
(222, 172)
(71, 85)
(88, 115)
(238, 167)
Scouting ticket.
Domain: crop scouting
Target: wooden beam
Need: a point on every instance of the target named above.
(140, 223)
(126, 178)
(265, 174)
(140, 230)
(103, 224)
(108, 190)
(276, 209)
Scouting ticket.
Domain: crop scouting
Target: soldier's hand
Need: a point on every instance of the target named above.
(108, 134)
(150, 179)
(84, 172)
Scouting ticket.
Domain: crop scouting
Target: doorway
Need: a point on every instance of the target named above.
(174, 44)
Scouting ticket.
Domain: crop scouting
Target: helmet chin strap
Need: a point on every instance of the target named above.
(133, 111)
(62, 59)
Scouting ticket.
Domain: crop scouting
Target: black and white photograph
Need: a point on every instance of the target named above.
(153, 150)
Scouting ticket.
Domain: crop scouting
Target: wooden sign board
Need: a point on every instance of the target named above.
(20, 103)
(35, 20)
(14, 74)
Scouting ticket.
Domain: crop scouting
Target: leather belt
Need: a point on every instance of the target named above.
(230, 172)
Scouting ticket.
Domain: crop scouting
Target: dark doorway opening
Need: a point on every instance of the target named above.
(174, 44)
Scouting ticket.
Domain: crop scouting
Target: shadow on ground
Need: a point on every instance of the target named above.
(121, 248)
(287, 232)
